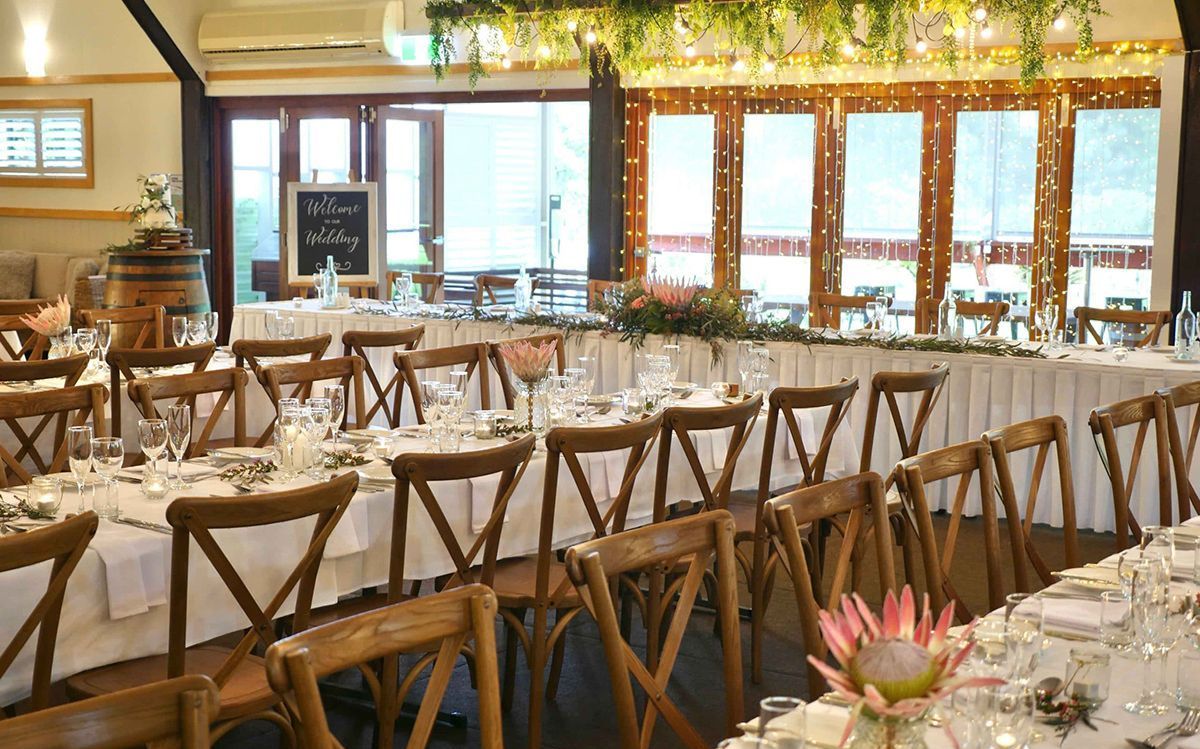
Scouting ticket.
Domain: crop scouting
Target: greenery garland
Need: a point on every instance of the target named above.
(637, 35)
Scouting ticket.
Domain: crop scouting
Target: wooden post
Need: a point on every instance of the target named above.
(606, 170)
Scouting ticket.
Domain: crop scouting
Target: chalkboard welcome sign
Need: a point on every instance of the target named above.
(337, 220)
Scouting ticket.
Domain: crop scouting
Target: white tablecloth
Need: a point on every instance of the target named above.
(983, 392)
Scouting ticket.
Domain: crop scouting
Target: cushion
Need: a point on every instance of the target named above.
(16, 275)
(81, 267)
(50, 275)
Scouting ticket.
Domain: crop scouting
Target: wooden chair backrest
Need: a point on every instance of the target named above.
(825, 308)
(123, 363)
(86, 402)
(989, 314)
(857, 503)
(415, 471)
(596, 289)
(472, 355)
(1046, 434)
(226, 384)
(149, 317)
(70, 368)
(256, 353)
(1175, 400)
(447, 621)
(30, 345)
(962, 461)
(487, 284)
(886, 386)
(680, 422)
(565, 446)
(1147, 412)
(506, 380)
(356, 343)
(593, 565)
(785, 402)
(194, 519)
(175, 713)
(355, 290)
(431, 284)
(1153, 321)
(347, 370)
(63, 544)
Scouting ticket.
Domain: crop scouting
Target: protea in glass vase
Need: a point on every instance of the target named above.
(894, 670)
(530, 367)
(54, 322)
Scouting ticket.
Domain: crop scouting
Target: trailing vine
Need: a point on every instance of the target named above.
(637, 35)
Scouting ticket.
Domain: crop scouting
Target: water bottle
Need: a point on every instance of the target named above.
(329, 283)
(947, 316)
(1185, 330)
(521, 292)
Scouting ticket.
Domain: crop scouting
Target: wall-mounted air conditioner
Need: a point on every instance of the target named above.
(359, 29)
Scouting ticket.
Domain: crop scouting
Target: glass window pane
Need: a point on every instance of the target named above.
(777, 185)
(567, 173)
(255, 209)
(882, 208)
(403, 177)
(680, 195)
(1112, 207)
(325, 149)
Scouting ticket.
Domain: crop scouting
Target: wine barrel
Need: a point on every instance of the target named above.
(173, 278)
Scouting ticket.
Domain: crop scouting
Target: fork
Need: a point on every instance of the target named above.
(1190, 723)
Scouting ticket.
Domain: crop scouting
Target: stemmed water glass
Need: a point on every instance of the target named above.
(287, 327)
(749, 307)
(1023, 634)
(588, 365)
(179, 434)
(337, 408)
(402, 286)
(315, 420)
(673, 353)
(212, 324)
(197, 332)
(450, 408)
(272, 322)
(1154, 634)
(85, 343)
(760, 368)
(179, 326)
(745, 361)
(103, 339)
(79, 457)
(429, 390)
(458, 381)
(1116, 341)
(316, 282)
(152, 436)
(561, 396)
(108, 456)
(325, 404)
(578, 378)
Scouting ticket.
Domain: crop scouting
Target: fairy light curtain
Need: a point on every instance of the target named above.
(1027, 195)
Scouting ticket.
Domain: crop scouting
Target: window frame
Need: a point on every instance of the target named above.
(69, 180)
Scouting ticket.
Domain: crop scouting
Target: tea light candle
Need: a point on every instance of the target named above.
(45, 495)
(297, 301)
(154, 485)
(719, 389)
(485, 425)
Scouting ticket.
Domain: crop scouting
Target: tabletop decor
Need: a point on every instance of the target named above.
(248, 473)
(54, 322)
(673, 306)
(154, 209)
(530, 365)
(785, 332)
(335, 459)
(894, 670)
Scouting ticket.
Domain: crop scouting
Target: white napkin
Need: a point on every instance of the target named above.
(1189, 742)
(808, 433)
(483, 496)
(1071, 616)
(720, 444)
(134, 568)
(614, 464)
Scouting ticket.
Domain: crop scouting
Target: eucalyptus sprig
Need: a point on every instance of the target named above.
(256, 470)
(335, 459)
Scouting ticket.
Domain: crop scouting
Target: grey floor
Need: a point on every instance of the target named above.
(581, 716)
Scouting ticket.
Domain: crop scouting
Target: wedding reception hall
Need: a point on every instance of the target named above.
(738, 374)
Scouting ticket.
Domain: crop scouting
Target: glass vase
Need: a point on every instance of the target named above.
(888, 733)
(62, 344)
(531, 406)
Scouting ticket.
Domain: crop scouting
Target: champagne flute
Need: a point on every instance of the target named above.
(79, 457)
(85, 342)
(745, 361)
(108, 456)
(429, 390)
(316, 423)
(588, 365)
(152, 435)
(179, 330)
(337, 409)
(104, 339)
(179, 433)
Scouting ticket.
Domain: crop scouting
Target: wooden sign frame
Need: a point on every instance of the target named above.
(370, 189)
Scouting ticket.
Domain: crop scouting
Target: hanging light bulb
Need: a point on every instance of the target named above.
(738, 65)
(506, 62)
(572, 25)
(922, 46)
(769, 65)
(960, 33)
(979, 14)
(689, 51)
(590, 36)
(1060, 23)
(544, 51)
(985, 32)
(848, 49)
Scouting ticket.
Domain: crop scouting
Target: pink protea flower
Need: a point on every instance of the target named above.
(672, 292)
(527, 362)
(897, 668)
(51, 319)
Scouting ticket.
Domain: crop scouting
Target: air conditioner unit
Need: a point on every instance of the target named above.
(353, 30)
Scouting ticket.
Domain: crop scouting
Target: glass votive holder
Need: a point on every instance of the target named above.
(781, 721)
(485, 425)
(45, 495)
(1087, 676)
(719, 390)
(107, 500)
(297, 301)
(1116, 621)
(1187, 695)
(154, 484)
(633, 401)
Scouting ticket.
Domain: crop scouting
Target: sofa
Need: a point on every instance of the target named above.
(45, 275)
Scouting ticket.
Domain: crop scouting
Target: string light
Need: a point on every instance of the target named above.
(738, 65)
(979, 14)
(922, 46)
(572, 25)
(769, 65)
(590, 36)
(690, 50)
(848, 49)
(506, 61)
(1060, 23)
(986, 31)
(544, 51)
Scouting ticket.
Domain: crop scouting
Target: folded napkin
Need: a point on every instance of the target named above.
(483, 496)
(1071, 616)
(135, 564)
(808, 433)
(823, 725)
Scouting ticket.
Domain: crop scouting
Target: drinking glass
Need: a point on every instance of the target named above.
(271, 321)
(745, 359)
(1158, 542)
(179, 434)
(450, 406)
(197, 332)
(103, 339)
(429, 390)
(1011, 716)
(561, 394)
(337, 408)
(458, 381)
(1187, 695)
(402, 285)
(874, 318)
(588, 365)
(577, 376)
(1153, 634)
(882, 301)
(108, 456)
(85, 343)
(179, 329)
(288, 427)
(79, 457)
(673, 353)
(785, 732)
(1023, 634)
(212, 323)
(749, 310)
(633, 401)
(1050, 317)
(1116, 341)
(315, 420)
(287, 327)
(1116, 621)
(316, 282)
(321, 403)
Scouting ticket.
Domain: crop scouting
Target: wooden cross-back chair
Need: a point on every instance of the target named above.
(28, 344)
(965, 462)
(853, 504)
(346, 370)
(245, 694)
(486, 286)
(1152, 322)
(173, 713)
(700, 540)
(1175, 400)
(225, 384)
(540, 582)
(786, 402)
(256, 353)
(125, 319)
(987, 314)
(447, 621)
(69, 368)
(124, 365)
(596, 289)
(1148, 413)
(473, 356)
(1046, 434)
(355, 290)
(431, 284)
(55, 407)
(506, 380)
(357, 342)
(62, 544)
(825, 308)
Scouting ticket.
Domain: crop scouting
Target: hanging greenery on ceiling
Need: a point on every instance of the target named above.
(636, 36)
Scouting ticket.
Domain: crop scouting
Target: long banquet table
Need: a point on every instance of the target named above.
(983, 391)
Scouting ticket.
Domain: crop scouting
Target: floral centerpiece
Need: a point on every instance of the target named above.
(530, 365)
(154, 209)
(664, 305)
(892, 671)
(54, 322)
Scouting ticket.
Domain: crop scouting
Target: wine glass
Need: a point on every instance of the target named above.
(402, 286)
(315, 419)
(337, 408)
(79, 457)
(458, 381)
(104, 339)
(1154, 635)
(316, 282)
(745, 360)
(560, 395)
(108, 456)
(429, 390)
(197, 332)
(179, 434)
(212, 323)
(179, 330)
(85, 343)
(321, 403)
(1023, 634)
(152, 436)
(588, 365)
(1051, 320)
(577, 377)
(271, 321)
(1116, 340)
(287, 327)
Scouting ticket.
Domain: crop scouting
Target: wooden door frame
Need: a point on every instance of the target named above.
(376, 170)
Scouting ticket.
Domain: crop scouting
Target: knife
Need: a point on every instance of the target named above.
(146, 525)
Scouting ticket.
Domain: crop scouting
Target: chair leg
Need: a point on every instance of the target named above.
(537, 676)
(757, 604)
(510, 663)
(905, 540)
(625, 598)
(556, 660)
(654, 604)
